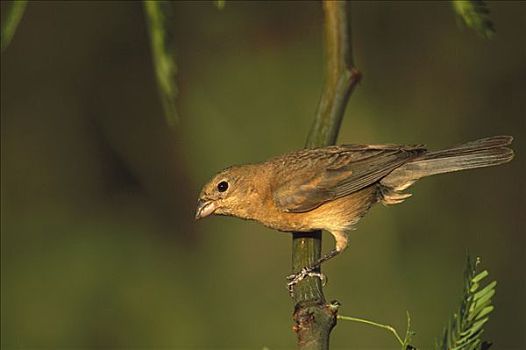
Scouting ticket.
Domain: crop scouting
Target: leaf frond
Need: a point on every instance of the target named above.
(475, 15)
(158, 14)
(466, 326)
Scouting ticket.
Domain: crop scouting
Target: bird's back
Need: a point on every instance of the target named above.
(305, 179)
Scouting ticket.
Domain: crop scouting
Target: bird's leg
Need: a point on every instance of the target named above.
(304, 273)
(309, 271)
(341, 244)
(324, 258)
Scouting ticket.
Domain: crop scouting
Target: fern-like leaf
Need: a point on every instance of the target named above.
(159, 15)
(465, 328)
(475, 15)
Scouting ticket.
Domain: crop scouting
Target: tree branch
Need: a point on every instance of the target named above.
(313, 317)
(341, 77)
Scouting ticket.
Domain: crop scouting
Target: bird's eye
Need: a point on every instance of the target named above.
(222, 186)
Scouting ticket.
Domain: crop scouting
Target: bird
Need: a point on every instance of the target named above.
(331, 188)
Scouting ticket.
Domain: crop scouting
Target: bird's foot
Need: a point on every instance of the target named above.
(300, 276)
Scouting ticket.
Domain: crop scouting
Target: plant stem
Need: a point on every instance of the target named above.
(163, 58)
(341, 77)
(314, 319)
(372, 323)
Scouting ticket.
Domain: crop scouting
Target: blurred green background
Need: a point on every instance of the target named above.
(99, 248)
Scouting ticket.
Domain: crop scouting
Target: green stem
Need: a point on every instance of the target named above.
(375, 324)
(314, 319)
(341, 77)
(161, 42)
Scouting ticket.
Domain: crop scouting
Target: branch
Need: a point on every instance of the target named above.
(314, 319)
(341, 77)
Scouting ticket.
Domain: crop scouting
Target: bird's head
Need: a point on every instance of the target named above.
(228, 193)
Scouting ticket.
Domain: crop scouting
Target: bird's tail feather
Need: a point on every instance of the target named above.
(476, 154)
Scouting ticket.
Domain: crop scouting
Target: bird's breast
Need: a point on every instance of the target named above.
(335, 215)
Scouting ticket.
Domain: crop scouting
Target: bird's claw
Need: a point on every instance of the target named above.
(300, 276)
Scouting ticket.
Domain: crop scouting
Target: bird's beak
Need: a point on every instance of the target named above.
(204, 208)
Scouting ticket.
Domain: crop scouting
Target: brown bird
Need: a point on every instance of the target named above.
(331, 188)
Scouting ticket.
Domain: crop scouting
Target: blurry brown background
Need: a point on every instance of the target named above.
(99, 247)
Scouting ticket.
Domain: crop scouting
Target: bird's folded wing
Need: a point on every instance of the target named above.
(316, 176)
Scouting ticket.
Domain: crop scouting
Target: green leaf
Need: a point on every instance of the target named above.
(466, 326)
(486, 311)
(13, 14)
(475, 327)
(158, 14)
(480, 276)
(475, 15)
(488, 289)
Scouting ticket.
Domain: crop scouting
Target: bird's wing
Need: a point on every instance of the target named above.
(309, 178)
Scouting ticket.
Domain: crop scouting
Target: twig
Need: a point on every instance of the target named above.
(314, 319)
(404, 344)
(372, 323)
